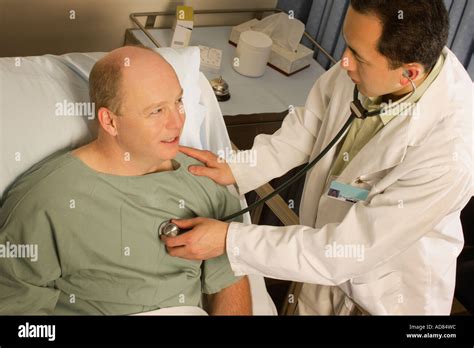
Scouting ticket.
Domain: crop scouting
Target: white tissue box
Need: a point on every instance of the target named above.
(281, 59)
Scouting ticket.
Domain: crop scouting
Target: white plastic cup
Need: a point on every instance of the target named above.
(252, 53)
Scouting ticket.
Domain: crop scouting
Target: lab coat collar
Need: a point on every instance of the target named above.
(389, 146)
(438, 99)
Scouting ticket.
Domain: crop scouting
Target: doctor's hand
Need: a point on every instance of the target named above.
(205, 240)
(216, 168)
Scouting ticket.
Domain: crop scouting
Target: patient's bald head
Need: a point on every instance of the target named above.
(106, 77)
(138, 104)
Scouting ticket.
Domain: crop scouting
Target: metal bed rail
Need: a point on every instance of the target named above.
(151, 19)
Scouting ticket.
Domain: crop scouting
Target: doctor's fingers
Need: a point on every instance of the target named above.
(175, 242)
(188, 223)
(211, 173)
(184, 252)
(206, 157)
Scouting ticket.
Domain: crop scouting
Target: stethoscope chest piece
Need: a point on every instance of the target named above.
(168, 229)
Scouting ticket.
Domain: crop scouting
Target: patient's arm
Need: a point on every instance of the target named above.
(233, 300)
(27, 283)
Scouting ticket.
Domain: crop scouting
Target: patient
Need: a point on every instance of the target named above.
(94, 213)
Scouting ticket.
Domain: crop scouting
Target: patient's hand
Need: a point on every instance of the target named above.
(216, 168)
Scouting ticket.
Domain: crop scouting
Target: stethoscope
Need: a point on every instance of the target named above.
(168, 228)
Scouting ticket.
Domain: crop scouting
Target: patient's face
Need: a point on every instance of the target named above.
(152, 112)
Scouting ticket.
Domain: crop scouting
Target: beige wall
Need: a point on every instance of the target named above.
(34, 27)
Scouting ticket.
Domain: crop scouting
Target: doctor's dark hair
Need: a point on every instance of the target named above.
(412, 30)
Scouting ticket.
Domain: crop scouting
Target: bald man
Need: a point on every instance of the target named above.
(94, 212)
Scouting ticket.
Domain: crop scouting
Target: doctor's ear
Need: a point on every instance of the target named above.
(106, 120)
(411, 72)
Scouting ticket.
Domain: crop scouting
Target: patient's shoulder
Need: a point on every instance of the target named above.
(42, 184)
(206, 183)
(186, 160)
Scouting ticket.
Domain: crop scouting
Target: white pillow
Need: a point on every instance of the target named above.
(32, 89)
(185, 62)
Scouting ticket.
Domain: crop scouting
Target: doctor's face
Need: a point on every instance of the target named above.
(368, 68)
(152, 112)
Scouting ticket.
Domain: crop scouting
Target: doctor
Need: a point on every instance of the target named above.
(390, 246)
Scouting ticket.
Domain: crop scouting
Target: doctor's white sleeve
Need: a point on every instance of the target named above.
(288, 147)
(385, 229)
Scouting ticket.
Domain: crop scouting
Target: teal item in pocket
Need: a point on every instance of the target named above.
(347, 192)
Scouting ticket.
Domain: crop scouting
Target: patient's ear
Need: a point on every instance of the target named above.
(107, 121)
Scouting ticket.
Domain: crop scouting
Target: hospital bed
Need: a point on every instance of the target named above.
(33, 89)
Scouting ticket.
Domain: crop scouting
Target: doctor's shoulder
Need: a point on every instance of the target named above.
(332, 78)
(331, 87)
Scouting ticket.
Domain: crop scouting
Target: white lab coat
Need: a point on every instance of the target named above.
(419, 173)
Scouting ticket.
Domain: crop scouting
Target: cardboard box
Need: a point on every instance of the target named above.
(182, 26)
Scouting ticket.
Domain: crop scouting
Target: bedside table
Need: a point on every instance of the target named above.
(271, 93)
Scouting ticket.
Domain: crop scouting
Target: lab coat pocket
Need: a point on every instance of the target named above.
(380, 296)
(331, 210)
(370, 181)
(339, 197)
